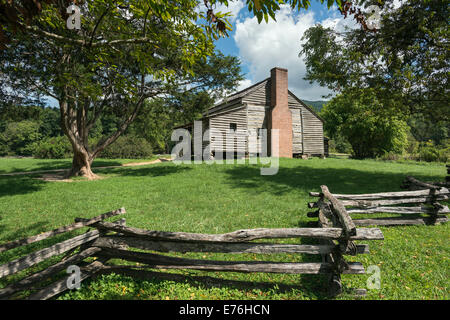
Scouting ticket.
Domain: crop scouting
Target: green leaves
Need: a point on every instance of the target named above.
(404, 61)
(372, 130)
(330, 3)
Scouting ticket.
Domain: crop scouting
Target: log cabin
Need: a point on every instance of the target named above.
(268, 104)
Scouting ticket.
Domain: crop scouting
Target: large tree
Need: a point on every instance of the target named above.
(124, 54)
(405, 61)
(186, 103)
(14, 15)
(359, 117)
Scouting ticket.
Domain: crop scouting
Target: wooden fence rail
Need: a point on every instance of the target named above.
(70, 246)
(404, 203)
(332, 214)
(113, 240)
(52, 233)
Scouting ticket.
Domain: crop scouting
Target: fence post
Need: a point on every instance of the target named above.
(342, 214)
(340, 218)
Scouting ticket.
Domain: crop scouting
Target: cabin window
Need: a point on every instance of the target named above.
(260, 132)
(233, 126)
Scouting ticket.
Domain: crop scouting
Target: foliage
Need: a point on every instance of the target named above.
(18, 112)
(185, 104)
(315, 105)
(18, 137)
(120, 58)
(424, 129)
(339, 144)
(155, 124)
(424, 151)
(128, 147)
(22, 128)
(13, 13)
(429, 152)
(50, 122)
(52, 148)
(123, 55)
(405, 61)
(360, 118)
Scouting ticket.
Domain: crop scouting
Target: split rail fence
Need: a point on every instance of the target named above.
(331, 214)
(113, 240)
(418, 207)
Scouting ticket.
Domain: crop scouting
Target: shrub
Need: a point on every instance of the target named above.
(339, 145)
(444, 155)
(18, 137)
(52, 148)
(429, 152)
(413, 145)
(392, 156)
(128, 147)
(362, 120)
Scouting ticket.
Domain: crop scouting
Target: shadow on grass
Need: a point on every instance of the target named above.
(314, 287)
(13, 185)
(305, 179)
(59, 165)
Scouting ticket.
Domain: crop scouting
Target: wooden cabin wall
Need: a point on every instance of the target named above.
(206, 136)
(310, 126)
(251, 112)
(260, 96)
(297, 139)
(258, 104)
(312, 134)
(297, 125)
(256, 119)
(221, 122)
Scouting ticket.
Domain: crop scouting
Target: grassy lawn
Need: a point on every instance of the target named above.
(414, 260)
(10, 165)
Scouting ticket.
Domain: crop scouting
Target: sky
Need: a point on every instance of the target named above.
(260, 47)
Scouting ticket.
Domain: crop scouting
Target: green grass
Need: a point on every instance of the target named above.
(414, 260)
(13, 164)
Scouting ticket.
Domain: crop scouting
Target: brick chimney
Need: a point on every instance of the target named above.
(280, 115)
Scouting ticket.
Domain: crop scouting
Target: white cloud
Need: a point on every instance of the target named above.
(277, 44)
(243, 84)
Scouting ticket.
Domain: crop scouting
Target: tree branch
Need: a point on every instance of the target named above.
(97, 24)
(80, 42)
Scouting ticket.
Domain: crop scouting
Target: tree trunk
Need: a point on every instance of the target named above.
(81, 165)
(76, 125)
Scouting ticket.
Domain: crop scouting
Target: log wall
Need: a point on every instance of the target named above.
(307, 128)
(220, 123)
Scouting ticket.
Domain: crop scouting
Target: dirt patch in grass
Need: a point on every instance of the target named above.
(54, 177)
(133, 164)
(60, 175)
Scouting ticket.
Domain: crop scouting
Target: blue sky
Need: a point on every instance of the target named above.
(263, 46)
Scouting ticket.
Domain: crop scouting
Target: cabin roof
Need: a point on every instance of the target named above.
(235, 96)
(229, 100)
